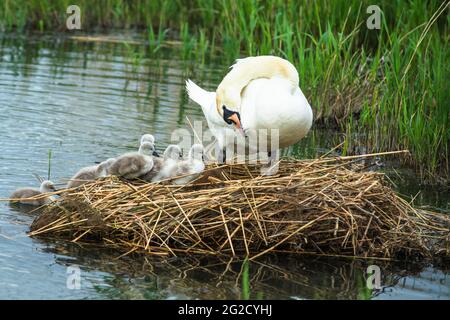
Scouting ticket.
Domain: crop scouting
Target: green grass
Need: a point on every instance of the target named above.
(49, 163)
(387, 87)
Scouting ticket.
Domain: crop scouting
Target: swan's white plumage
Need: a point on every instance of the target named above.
(248, 69)
(265, 104)
(270, 104)
(207, 100)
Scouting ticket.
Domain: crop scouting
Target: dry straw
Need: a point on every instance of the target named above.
(327, 206)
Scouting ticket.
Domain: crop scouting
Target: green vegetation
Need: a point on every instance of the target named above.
(386, 89)
(364, 293)
(245, 281)
(49, 163)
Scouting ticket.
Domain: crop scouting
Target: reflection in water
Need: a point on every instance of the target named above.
(271, 277)
(90, 101)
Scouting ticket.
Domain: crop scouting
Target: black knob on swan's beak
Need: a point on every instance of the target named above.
(228, 116)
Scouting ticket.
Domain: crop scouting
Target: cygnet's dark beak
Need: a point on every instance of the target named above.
(155, 154)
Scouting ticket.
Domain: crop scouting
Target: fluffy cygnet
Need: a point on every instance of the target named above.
(191, 167)
(151, 139)
(23, 193)
(166, 166)
(147, 138)
(90, 173)
(134, 164)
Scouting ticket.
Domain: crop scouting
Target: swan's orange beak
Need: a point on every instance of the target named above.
(237, 123)
(236, 120)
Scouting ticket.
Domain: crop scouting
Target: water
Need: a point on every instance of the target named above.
(88, 101)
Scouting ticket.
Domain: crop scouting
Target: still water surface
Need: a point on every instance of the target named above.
(88, 101)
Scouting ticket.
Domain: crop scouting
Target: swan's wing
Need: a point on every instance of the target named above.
(207, 100)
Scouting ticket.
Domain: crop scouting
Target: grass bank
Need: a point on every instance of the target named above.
(386, 89)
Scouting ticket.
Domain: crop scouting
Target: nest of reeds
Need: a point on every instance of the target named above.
(326, 206)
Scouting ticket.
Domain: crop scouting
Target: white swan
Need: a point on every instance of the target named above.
(269, 99)
(191, 167)
(90, 173)
(21, 194)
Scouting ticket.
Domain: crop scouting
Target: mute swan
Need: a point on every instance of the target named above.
(269, 98)
(192, 166)
(23, 193)
(165, 167)
(90, 173)
(228, 93)
(134, 164)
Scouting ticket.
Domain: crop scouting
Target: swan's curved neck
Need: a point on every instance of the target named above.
(248, 69)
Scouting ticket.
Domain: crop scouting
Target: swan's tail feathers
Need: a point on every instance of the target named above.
(199, 95)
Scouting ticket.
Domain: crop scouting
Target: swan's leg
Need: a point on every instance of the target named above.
(222, 156)
(274, 156)
(272, 166)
